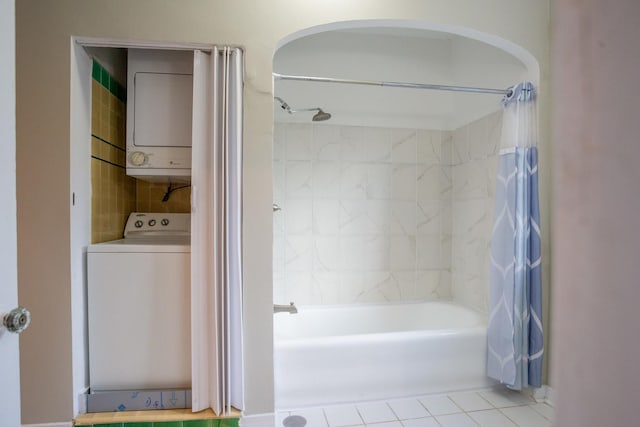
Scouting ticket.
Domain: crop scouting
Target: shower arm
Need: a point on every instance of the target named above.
(320, 116)
(288, 109)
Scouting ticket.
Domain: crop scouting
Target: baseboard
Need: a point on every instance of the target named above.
(260, 420)
(545, 394)
(82, 401)
(552, 397)
(48, 425)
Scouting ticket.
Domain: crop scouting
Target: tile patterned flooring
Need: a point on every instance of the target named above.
(486, 408)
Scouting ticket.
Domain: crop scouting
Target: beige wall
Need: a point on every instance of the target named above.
(596, 204)
(43, 61)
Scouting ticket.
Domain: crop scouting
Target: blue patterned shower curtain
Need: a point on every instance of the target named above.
(515, 344)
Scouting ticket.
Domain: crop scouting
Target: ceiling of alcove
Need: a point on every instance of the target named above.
(393, 54)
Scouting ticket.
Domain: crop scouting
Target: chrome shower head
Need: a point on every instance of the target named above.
(321, 116)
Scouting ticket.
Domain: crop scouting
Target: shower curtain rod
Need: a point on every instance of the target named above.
(279, 76)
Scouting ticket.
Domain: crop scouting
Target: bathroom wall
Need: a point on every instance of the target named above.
(43, 31)
(596, 57)
(365, 214)
(474, 162)
(113, 193)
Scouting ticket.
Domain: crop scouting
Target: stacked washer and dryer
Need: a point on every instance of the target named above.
(139, 286)
(139, 293)
(139, 305)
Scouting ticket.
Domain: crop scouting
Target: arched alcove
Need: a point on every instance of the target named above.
(400, 51)
(389, 201)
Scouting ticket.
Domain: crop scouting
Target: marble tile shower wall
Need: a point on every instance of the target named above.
(474, 163)
(366, 214)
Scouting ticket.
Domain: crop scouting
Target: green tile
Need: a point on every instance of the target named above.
(104, 78)
(138, 424)
(118, 90)
(95, 71)
(168, 424)
(112, 85)
(229, 422)
(200, 423)
(108, 425)
(83, 425)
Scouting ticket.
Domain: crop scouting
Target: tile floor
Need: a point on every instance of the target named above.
(486, 408)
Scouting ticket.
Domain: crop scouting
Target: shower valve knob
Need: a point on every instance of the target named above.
(17, 320)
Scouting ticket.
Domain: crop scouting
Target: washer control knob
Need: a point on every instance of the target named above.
(165, 221)
(17, 320)
(138, 224)
(152, 222)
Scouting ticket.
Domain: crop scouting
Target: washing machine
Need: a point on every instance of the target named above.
(139, 305)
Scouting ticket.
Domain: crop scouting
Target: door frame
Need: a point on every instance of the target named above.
(80, 191)
(9, 343)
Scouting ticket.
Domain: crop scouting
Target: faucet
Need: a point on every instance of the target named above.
(291, 308)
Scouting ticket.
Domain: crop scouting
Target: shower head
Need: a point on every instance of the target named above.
(320, 116)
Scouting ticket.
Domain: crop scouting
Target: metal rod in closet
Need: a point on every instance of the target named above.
(506, 92)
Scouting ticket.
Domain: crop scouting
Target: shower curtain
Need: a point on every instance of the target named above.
(515, 344)
(216, 226)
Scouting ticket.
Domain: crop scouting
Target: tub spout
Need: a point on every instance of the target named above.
(291, 308)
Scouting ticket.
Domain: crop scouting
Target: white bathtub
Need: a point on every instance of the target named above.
(357, 353)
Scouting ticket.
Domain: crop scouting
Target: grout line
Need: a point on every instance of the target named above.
(360, 415)
(108, 142)
(507, 417)
(486, 400)
(426, 409)
(326, 419)
(107, 161)
(394, 412)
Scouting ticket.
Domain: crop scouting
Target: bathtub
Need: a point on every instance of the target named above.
(332, 355)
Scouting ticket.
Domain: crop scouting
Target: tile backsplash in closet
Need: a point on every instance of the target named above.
(149, 197)
(113, 193)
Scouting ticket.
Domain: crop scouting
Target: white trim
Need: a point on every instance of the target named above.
(141, 44)
(259, 420)
(79, 212)
(539, 394)
(65, 424)
(82, 402)
(544, 394)
(551, 397)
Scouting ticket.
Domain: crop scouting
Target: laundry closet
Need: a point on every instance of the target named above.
(160, 267)
(138, 265)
